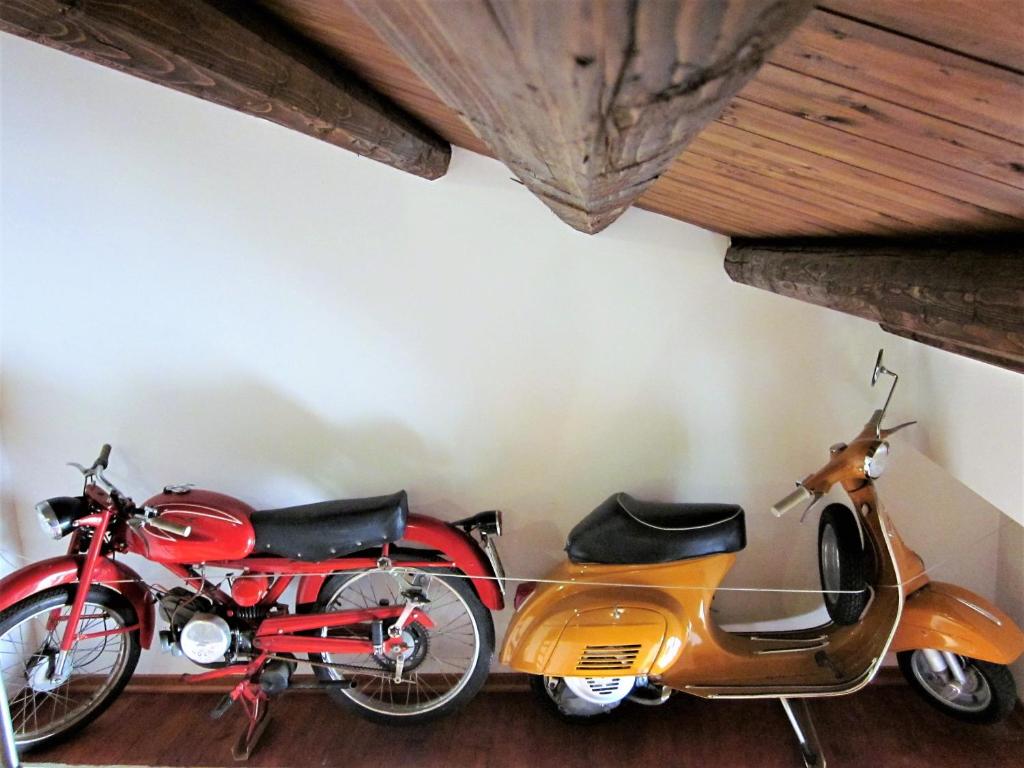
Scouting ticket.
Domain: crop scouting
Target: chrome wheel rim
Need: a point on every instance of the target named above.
(41, 706)
(453, 647)
(831, 569)
(974, 695)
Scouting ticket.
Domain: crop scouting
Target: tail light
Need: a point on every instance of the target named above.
(523, 591)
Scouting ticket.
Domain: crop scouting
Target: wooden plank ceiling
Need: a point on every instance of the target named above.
(872, 118)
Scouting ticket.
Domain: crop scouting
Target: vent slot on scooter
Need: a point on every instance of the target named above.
(608, 658)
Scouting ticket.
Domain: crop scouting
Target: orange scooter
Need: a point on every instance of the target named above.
(629, 615)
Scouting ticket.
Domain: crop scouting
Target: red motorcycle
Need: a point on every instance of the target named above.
(391, 608)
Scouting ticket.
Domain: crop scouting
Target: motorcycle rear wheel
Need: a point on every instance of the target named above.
(448, 664)
(43, 710)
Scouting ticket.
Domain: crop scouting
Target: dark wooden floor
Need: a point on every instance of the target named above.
(884, 725)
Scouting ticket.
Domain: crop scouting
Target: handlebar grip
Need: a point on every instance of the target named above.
(792, 501)
(166, 525)
(104, 457)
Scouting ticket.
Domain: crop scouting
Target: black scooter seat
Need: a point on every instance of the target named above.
(331, 528)
(624, 531)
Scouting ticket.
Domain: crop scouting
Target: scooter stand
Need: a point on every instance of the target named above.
(799, 714)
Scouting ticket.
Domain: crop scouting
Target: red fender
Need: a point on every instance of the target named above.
(458, 548)
(57, 571)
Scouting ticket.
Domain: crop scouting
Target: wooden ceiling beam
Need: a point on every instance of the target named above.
(961, 295)
(231, 54)
(586, 102)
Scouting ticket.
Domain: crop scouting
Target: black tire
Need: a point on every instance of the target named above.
(997, 677)
(539, 687)
(475, 680)
(115, 603)
(841, 565)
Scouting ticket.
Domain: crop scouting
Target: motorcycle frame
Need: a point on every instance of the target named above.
(274, 634)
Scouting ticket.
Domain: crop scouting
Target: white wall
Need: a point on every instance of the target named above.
(239, 306)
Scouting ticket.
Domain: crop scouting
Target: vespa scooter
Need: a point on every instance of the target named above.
(629, 615)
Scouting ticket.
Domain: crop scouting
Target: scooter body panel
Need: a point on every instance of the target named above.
(562, 626)
(589, 603)
(949, 618)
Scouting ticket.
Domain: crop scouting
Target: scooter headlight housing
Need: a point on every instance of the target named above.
(57, 515)
(876, 460)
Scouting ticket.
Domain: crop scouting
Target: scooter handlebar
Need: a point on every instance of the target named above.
(792, 501)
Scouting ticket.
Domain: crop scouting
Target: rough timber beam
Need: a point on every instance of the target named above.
(962, 295)
(586, 101)
(230, 54)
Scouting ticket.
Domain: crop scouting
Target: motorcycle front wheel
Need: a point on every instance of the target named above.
(987, 694)
(444, 667)
(46, 707)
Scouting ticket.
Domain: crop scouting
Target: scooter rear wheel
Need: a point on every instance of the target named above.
(541, 685)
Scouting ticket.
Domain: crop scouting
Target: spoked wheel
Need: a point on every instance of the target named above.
(46, 706)
(986, 694)
(442, 668)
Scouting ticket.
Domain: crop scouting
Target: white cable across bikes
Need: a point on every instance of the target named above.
(587, 582)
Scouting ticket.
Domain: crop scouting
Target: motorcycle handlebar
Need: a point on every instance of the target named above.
(792, 501)
(104, 458)
(166, 525)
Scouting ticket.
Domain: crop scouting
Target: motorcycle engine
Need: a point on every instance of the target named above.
(199, 631)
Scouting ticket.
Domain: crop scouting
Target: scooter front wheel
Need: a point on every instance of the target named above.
(977, 692)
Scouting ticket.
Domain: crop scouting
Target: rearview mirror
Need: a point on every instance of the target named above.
(875, 375)
(879, 368)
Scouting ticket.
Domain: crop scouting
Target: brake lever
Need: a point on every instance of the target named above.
(814, 500)
(884, 433)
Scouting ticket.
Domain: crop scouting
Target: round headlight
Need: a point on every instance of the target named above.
(48, 520)
(57, 515)
(876, 460)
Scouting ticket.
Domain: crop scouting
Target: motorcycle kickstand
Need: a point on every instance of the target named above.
(799, 714)
(256, 704)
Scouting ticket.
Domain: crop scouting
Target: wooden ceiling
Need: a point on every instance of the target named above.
(901, 123)
(873, 118)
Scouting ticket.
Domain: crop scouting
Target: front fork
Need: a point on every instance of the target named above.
(99, 524)
(941, 662)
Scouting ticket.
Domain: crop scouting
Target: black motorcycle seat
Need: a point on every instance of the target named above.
(624, 531)
(330, 528)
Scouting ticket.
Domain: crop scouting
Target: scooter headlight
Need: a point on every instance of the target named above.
(876, 461)
(57, 515)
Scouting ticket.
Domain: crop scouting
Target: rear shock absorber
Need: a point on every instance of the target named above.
(377, 636)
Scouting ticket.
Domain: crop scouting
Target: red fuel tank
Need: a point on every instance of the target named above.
(220, 528)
